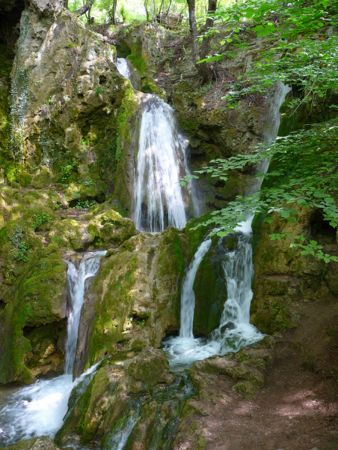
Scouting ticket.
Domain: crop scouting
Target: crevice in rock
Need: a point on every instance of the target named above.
(320, 229)
(10, 13)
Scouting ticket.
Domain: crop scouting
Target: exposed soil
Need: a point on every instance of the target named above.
(298, 405)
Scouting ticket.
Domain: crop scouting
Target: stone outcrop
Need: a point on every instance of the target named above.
(34, 444)
(284, 279)
(134, 301)
(66, 96)
(138, 391)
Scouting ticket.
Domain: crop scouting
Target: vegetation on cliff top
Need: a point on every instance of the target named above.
(298, 49)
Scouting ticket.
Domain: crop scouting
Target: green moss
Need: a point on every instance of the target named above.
(272, 315)
(6, 64)
(138, 61)
(114, 303)
(34, 292)
(245, 388)
(110, 227)
(126, 114)
(210, 292)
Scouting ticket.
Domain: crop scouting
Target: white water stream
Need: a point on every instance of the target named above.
(188, 295)
(122, 66)
(159, 199)
(39, 409)
(234, 330)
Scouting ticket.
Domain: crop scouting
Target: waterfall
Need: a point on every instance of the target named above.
(39, 409)
(88, 268)
(234, 330)
(159, 200)
(120, 437)
(123, 68)
(188, 295)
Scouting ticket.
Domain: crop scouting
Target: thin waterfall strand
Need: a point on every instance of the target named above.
(88, 268)
(122, 66)
(188, 295)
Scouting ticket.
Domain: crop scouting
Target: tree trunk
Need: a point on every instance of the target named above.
(193, 27)
(113, 13)
(85, 8)
(147, 10)
(212, 6)
(169, 6)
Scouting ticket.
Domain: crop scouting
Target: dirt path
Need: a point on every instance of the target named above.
(297, 409)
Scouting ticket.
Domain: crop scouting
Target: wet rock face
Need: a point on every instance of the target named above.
(139, 389)
(210, 292)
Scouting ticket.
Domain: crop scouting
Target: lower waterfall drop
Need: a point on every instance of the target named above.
(39, 409)
(234, 331)
(188, 295)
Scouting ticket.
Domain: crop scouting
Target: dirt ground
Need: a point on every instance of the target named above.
(297, 408)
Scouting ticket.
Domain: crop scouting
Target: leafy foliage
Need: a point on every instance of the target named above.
(303, 174)
(40, 219)
(299, 46)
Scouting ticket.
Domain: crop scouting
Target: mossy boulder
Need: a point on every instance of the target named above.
(149, 368)
(140, 391)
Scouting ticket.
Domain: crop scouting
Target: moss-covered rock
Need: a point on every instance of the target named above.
(284, 278)
(66, 112)
(139, 393)
(5, 156)
(42, 443)
(210, 291)
(133, 301)
(28, 269)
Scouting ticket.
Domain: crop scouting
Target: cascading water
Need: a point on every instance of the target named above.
(234, 330)
(159, 200)
(123, 68)
(120, 436)
(39, 409)
(188, 295)
(88, 268)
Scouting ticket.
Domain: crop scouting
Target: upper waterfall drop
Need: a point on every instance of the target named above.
(122, 66)
(159, 199)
